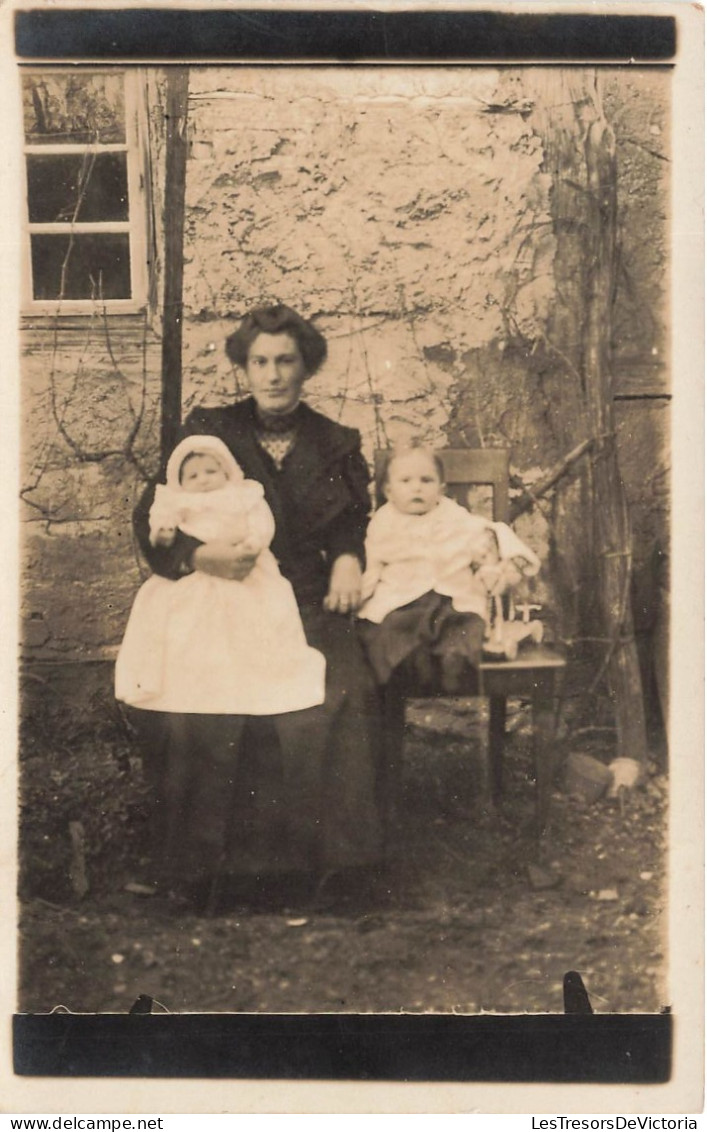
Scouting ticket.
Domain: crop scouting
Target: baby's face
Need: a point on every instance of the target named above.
(413, 484)
(202, 473)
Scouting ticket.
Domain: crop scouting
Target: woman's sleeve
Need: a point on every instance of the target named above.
(347, 531)
(173, 561)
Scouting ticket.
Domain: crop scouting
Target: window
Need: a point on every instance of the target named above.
(85, 191)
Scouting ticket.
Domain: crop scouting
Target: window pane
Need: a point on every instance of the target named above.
(96, 183)
(92, 266)
(75, 108)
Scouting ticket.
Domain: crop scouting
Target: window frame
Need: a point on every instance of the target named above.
(135, 226)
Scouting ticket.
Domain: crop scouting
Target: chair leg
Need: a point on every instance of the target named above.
(497, 734)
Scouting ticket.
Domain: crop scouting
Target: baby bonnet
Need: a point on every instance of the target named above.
(202, 446)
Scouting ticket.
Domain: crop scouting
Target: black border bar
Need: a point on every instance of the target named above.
(625, 1049)
(339, 36)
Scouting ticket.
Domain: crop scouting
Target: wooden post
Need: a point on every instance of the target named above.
(596, 555)
(612, 532)
(560, 96)
(175, 180)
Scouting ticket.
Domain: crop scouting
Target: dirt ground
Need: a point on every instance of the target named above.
(469, 915)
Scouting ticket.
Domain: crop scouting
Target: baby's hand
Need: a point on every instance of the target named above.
(165, 536)
(223, 560)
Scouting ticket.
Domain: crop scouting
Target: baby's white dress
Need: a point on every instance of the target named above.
(409, 555)
(212, 645)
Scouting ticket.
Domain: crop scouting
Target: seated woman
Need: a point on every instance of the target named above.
(296, 791)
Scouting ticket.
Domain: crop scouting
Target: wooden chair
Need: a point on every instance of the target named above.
(537, 672)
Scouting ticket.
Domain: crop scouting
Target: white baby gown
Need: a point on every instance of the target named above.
(408, 555)
(211, 645)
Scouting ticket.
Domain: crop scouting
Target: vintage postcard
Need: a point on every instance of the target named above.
(354, 411)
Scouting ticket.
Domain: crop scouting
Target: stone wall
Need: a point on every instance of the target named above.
(91, 415)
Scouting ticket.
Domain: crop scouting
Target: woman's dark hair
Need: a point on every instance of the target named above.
(277, 319)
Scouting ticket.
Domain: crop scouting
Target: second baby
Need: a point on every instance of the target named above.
(431, 569)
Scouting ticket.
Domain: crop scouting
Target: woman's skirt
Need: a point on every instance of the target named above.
(295, 791)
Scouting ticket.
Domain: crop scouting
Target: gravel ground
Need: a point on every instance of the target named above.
(468, 916)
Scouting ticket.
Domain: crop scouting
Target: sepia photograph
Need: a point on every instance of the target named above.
(345, 536)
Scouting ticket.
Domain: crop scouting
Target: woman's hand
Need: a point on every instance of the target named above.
(224, 560)
(344, 585)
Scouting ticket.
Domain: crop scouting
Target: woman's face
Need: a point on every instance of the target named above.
(276, 372)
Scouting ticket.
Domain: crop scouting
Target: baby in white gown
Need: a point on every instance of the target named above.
(212, 645)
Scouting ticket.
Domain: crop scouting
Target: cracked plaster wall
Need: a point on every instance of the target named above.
(406, 211)
(409, 213)
(81, 471)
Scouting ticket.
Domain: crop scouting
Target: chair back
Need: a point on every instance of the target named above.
(464, 470)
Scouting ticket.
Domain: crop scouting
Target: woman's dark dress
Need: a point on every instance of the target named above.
(298, 790)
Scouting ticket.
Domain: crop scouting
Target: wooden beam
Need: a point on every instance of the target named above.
(527, 500)
(175, 182)
(610, 510)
